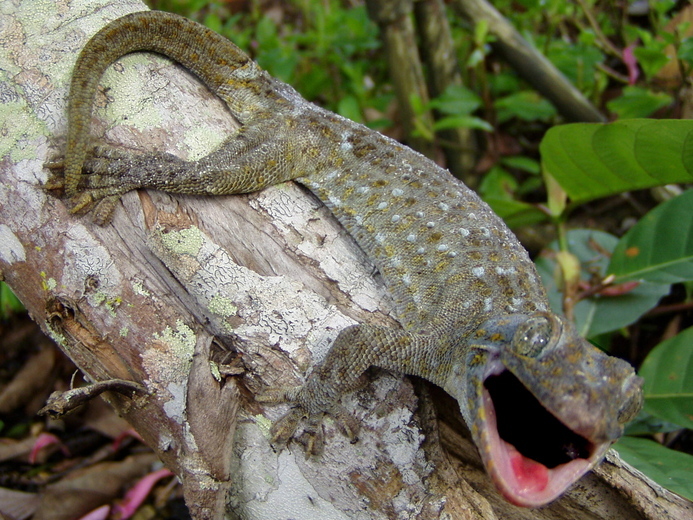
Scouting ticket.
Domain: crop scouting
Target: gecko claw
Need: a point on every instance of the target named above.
(312, 435)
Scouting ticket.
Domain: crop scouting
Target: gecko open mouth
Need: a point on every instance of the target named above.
(530, 454)
(523, 422)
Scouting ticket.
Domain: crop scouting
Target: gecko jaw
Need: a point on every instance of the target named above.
(534, 461)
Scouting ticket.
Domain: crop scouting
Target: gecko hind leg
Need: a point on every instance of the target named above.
(344, 369)
(313, 435)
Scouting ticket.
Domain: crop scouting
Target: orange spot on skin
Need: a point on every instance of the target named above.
(632, 252)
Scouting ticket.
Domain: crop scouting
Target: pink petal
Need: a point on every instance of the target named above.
(631, 63)
(42, 441)
(138, 493)
(100, 513)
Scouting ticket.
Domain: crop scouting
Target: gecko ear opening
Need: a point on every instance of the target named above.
(523, 422)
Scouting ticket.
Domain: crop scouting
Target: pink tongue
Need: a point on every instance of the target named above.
(531, 475)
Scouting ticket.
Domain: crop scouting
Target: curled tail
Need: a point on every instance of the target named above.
(221, 65)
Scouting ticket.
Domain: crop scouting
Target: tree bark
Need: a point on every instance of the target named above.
(206, 301)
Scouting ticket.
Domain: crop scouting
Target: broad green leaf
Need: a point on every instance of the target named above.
(659, 248)
(598, 314)
(591, 160)
(668, 374)
(670, 469)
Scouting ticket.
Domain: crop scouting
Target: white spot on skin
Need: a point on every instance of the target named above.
(406, 280)
(472, 216)
(464, 232)
(488, 305)
(382, 205)
(421, 250)
(443, 206)
(379, 238)
(430, 225)
(397, 192)
(443, 247)
(396, 218)
(335, 201)
(420, 214)
(362, 190)
(411, 238)
(478, 271)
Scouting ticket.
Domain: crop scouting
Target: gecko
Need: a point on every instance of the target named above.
(543, 405)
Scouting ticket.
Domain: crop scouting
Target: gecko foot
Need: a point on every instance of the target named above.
(98, 188)
(312, 434)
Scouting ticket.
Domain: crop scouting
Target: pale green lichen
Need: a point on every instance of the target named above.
(214, 369)
(48, 284)
(183, 242)
(182, 340)
(56, 336)
(264, 424)
(123, 332)
(222, 306)
(139, 289)
(19, 124)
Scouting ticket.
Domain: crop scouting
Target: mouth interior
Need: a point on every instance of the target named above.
(525, 424)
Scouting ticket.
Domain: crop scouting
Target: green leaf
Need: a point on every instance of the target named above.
(670, 469)
(685, 51)
(598, 314)
(647, 424)
(526, 105)
(516, 213)
(456, 100)
(9, 303)
(522, 162)
(577, 61)
(591, 160)
(462, 122)
(638, 102)
(348, 107)
(498, 184)
(659, 248)
(652, 58)
(668, 374)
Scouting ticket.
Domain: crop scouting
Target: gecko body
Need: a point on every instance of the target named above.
(543, 405)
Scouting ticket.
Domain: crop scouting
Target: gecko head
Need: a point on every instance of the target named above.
(546, 405)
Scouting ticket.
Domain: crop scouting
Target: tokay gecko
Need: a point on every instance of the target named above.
(542, 404)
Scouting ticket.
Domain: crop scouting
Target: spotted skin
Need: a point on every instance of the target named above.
(469, 300)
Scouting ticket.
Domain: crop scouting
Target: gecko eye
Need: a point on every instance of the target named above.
(532, 337)
(630, 409)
